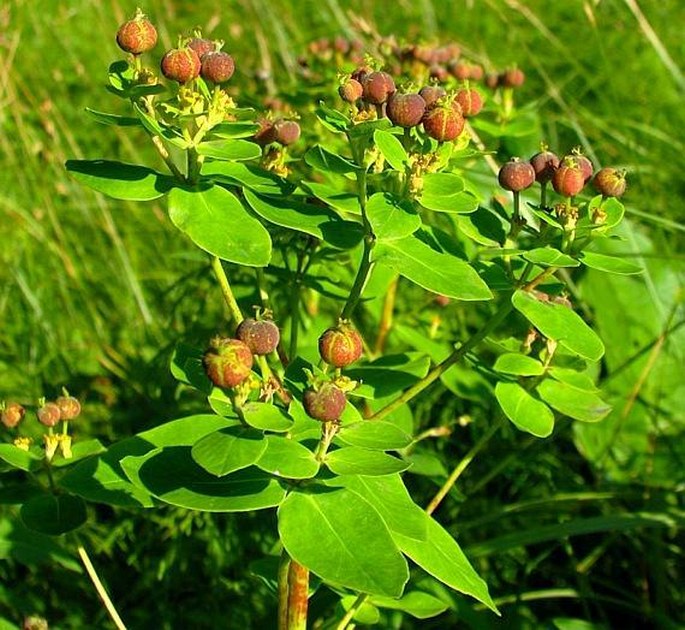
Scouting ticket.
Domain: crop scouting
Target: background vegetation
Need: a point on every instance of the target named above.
(95, 293)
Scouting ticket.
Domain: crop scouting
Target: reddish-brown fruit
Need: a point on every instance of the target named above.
(340, 346)
(584, 163)
(516, 175)
(470, 101)
(406, 110)
(378, 87)
(512, 78)
(201, 46)
(181, 65)
(568, 179)
(260, 336)
(442, 300)
(439, 73)
(610, 182)
(492, 80)
(137, 35)
(12, 415)
(227, 362)
(287, 132)
(266, 134)
(325, 404)
(361, 73)
(69, 407)
(544, 164)
(217, 67)
(476, 72)
(49, 414)
(443, 122)
(431, 94)
(460, 70)
(351, 91)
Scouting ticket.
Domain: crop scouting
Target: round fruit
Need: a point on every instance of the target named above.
(325, 404)
(476, 72)
(378, 87)
(227, 362)
(12, 415)
(266, 134)
(469, 100)
(217, 67)
(137, 35)
(287, 132)
(406, 110)
(584, 163)
(443, 122)
(69, 407)
(431, 94)
(513, 77)
(201, 46)
(460, 70)
(544, 164)
(49, 414)
(181, 65)
(516, 175)
(351, 91)
(568, 180)
(492, 80)
(610, 182)
(260, 336)
(340, 346)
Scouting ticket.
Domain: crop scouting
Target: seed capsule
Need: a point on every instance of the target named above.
(516, 175)
(137, 35)
(227, 362)
(610, 182)
(181, 65)
(340, 346)
(325, 404)
(260, 336)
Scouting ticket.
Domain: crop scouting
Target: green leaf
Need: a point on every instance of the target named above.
(266, 417)
(580, 405)
(392, 149)
(374, 434)
(228, 450)
(102, 479)
(253, 177)
(79, 451)
(341, 200)
(575, 379)
(436, 271)
(527, 413)
(186, 367)
(392, 501)
(441, 556)
(209, 218)
(610, 264)
(341, 538)
(322, 159)
(354, 460)
(415, 603)
(235, 129)
(18, 457)
(322, 223)
(287, 458)
(389, 374)
(366, 614)
(172, 476)
(120, 180)
(560, 323)
(483, 226)
(445, 192)
(106, 118)
(390, 217)
(550, 257)
(230, 150)
(613, 209)
(332, 119)
(519, 364)
(54, 514)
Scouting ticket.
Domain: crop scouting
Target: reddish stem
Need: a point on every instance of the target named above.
(298, 596)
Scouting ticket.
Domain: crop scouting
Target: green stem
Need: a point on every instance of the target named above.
(101, 591)
(193, 168)
(328, 433)
(362, 278)
(543, 196)
(226, 290)
(345, 621)
(441, 368)
(461, 467)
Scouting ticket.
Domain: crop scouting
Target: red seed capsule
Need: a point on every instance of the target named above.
(181, 65)
(260, 336)
(137, 35)
(431, 94)
(406, 110)
(443, 122)
(378, 87)
(325, 404)
(287, 132)
(227, 362)
(512, 78)
(470, 101)
(351, 91)
(12, 415)
(49, 414)
(69, 407)
(610, 182)
(516, 175)
(544, 164)
(217, 67)
(202, 46)
(568, 179)
(340, 346)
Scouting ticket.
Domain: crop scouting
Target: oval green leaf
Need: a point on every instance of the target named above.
(374, 434)
(228, 450)
(574, 403)
(266, 417)
(322, 159)
(550, 257)
(445, 192)
(287, 458)
(249, 175)
(354, 460)
(230, 150)
(390, 217)
(341, 538)
(120, 180)
(391, 149)
(210, 216)
(18, 457)
(526, 413)
(416, 603)
(519, 364)
(610, 264)
(560, 323)
(54, 514)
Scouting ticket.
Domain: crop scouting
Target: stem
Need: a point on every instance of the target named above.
(517, 207)
(344, 622)
(360, 281)
(386, 316)
(193, 168)
(539, 278)
(461, 467)
(298, 596)
(543, 196)
(283, 569)
(226, 290)
(92, 574)
(329, 431)
(441, 368)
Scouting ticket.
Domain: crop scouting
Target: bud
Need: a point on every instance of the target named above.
(260, 336)
(610, 182)
(137, 35)
(49, 414)
(516, 175)
(326, 403)
(69, 407)
(12, 415)
(340, 346)
(227, 362)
